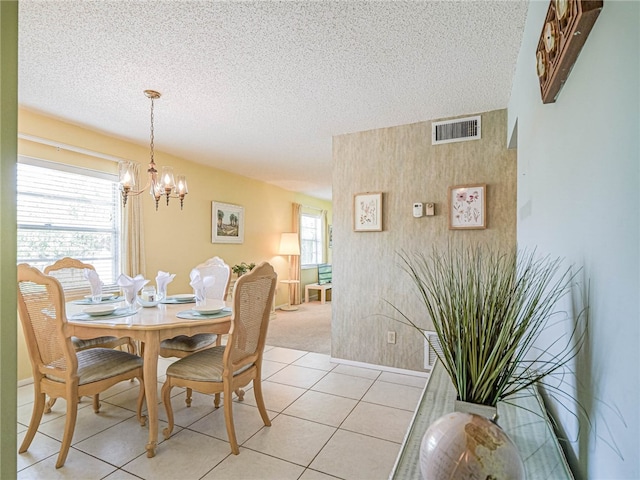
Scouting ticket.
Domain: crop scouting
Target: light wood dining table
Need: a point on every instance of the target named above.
(149, 326)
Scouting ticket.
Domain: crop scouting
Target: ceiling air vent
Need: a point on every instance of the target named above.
(458, 130)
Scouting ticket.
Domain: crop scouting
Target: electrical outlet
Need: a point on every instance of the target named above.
(391, 337)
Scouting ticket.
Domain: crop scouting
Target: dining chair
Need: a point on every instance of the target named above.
(70, 273)
(59, 370)
(228, 368)
(183, 345)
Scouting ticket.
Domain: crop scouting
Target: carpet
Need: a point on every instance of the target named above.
(308, 328)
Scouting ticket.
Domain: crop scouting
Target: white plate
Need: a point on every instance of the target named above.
(183, 297)
(99, 310)
(210, 308)
(105, 296)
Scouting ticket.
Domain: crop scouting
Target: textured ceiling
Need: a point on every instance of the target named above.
(259, 88)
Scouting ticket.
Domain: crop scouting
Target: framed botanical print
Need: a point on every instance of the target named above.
(467, 207)
(367, 212)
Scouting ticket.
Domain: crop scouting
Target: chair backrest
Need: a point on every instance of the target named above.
(221, 272)
(70, 273)
(42, 314)
(252, 298)
(324, 273)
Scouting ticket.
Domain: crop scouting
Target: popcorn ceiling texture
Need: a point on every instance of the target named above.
(260, 88)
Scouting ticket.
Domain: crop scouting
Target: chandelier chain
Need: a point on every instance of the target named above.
(152, 138)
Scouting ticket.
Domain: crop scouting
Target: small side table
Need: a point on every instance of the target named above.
(316, 286)
(289, 307)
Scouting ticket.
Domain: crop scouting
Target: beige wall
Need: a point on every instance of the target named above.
(175, 240)
(402, 163)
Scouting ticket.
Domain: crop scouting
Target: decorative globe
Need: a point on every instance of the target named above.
(468, 446)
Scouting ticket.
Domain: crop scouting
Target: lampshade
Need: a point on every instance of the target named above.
(289, 244)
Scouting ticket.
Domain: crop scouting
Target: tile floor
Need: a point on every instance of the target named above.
(328, 421)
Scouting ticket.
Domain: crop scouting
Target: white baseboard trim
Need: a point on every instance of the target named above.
(384, 368)
(25, 381)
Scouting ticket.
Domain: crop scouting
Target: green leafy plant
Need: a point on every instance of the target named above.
(242, 268)
(488, 309)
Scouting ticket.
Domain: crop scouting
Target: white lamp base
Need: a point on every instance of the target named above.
(289, 308)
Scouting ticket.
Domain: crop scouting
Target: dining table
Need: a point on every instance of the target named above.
(148, 326)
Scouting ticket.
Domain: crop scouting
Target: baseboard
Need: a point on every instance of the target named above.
(384, 368)
(25, 381)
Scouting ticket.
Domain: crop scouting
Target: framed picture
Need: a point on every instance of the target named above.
(367, 212)
(467, 207)
(227, 222)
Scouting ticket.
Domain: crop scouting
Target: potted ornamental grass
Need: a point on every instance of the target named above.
(488, 308)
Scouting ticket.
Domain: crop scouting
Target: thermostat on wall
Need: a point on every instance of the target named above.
(418, 209)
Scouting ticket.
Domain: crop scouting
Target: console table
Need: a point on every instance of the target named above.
(526, 422)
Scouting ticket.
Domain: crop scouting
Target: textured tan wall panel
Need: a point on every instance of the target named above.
(402, 163)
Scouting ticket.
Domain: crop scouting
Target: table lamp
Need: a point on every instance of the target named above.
(289, 245)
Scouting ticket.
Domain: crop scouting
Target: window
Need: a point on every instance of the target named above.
(68, 212)
(311, 248)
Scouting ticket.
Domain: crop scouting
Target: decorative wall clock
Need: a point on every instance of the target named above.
(565, 30)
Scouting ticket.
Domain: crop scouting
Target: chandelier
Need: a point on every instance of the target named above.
(167, 184)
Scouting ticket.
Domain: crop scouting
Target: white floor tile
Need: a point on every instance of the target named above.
(119, 444)
(250, 465)
(292, 439)
(393, 395)
(276, 396)
(353, 456)
(411, 380)
(269, 368)
(282, 355)
(78, 465)
(378, 421)
(298, 376)
(316, 360)
(41, 447)
(186, 455)
(343, 385)
(322, 408)
(246, 419)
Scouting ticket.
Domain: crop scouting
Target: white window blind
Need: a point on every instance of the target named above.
(311, 238)
(68, 212)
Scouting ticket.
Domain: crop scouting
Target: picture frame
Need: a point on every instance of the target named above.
(227, 223)
(367, 212)
(468, 207)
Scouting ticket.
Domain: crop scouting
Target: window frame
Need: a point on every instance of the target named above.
(116, 223)
(320, 243)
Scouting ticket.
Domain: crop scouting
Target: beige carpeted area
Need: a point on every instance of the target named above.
(308, 328)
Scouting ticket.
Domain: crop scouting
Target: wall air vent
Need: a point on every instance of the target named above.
(457, 130)
(431, 346)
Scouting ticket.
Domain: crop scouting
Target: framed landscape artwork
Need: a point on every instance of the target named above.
(367, 212)
(467, 207)
(227, 223)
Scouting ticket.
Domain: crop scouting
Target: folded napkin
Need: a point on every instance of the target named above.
(131, 286)
(200, 285)
(94, 281)
(162, 280)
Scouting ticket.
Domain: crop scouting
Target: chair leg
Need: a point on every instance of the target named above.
(240, 394)
(216, 400)
(96, 403)
(69, 426)
(228, 419)
(36, 417)
(166, 399)
(257, 391)
(50, 403)
(188, 399)
(141, 395)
